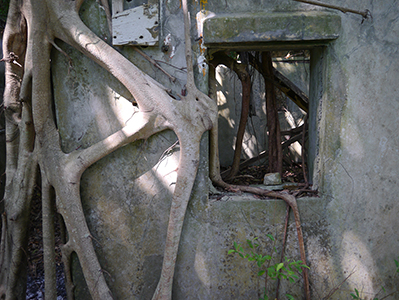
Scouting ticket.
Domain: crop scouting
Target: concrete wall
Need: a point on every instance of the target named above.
(350, 227)
(358, 148)
(354, 119)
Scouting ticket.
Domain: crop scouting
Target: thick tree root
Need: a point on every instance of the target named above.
(40, 145)
(291, 201)
(195, 112)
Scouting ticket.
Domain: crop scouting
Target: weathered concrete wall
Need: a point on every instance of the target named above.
(358, 148)
(352, 226)
(355, 144)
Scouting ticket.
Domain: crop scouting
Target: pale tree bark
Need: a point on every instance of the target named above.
(33, 141)
(33, 144)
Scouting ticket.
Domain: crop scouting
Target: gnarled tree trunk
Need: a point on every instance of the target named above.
(33, 142)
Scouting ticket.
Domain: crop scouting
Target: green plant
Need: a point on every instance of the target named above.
(4, 10)
(283, 270)
(356, 294)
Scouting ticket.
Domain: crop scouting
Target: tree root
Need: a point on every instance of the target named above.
(242, 72)
(291, 201)
(39, 145)
(287, 216)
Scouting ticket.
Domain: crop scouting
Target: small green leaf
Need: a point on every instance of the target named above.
(271, 237)
(279, 266)
(290, 297)
(264, 258)
(281, 275)
(271, 272)
(260, 273)
(231, 251)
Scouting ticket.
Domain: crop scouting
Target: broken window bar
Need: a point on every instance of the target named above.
(365, 14)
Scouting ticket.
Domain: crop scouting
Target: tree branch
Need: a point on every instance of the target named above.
(188, 51)
(283, 84)
(173, 79)
(141, 127)
(245, 78)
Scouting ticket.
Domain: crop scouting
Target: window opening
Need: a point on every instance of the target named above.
(287, 83)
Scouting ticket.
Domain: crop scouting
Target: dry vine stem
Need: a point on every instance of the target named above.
(33, 142)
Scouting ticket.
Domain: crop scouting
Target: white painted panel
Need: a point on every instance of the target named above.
(136, 26)
(117, 6)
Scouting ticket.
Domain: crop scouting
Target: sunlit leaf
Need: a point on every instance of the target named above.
(279, 266)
